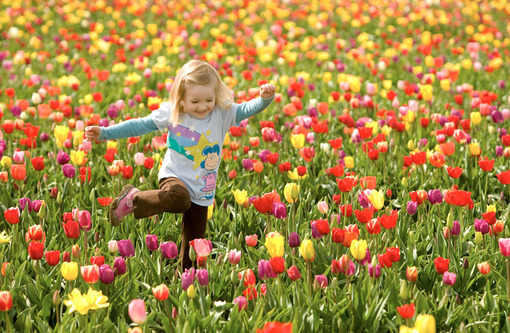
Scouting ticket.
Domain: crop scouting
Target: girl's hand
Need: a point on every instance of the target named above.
(267, 90)
(92, 133)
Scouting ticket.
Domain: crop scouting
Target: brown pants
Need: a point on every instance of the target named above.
(173, 197)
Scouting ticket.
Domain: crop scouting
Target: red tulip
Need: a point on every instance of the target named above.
(275, 326)
(249, 277)
(161, 292)
(368, 182)
(34, 233)
(90, 273)
(406, 311)
(384, 260)
(394, 253)
(277, 264)
(5, 301)
(374, 227)
(441, 264)
(52, 257)
(486, 164)
(12, 215)
(104, 201)
(504, 177)
(345, 184)
(322, 226)
(293, 273)
(97, 260)
(389, 221)
(454, 172)
(18, 171)
(263, 204)
(364, 215)
(38, 163)
(458, 198)
(35, 250)
(72, 229)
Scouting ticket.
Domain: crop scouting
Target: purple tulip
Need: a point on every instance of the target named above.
(152, 242)
(279, 210)
(456, 228)
(187, 278)
(68, 170)
(126, 248)
(350, 270)
(36, 205)
(25, 203)
(248, 164)
(106, 274)
(62, 158)
(265, 270)
(119, 265)
(203, 277)
(169, 250)
(435, 197)
(449, 278)
(294, 240)
(374, 271)
(482, 226)
(412, 207)
(241, 302)
(499, 151)
(263, 155)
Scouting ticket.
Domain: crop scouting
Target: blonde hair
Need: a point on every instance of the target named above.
(197, 72)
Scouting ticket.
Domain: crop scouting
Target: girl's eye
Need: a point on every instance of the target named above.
(194, 102)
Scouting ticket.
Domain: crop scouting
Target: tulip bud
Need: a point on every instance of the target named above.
(56, 298)
(411, 238)
(478, 238)
(113, 247)
(97, 238)
(192, 254)
(76, 251)
(42, 212)
(334, 283)
(465, 263)
(234, 277)
(404, 290)
(92, 195)
(449, 220)
(59, 198)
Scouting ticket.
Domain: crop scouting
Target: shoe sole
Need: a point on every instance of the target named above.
(115, 203)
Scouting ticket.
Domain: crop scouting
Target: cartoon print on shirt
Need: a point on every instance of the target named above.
(210, 163)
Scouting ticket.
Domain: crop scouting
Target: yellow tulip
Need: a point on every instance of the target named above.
(291, 192)
(425, 324)
(274, 244)
(474, 148)
(93, 300)
(210, 211)
(240, 196)
(69, 270)
(405, 329)
(306, 250)
(359, 249)
(6, 162)
(349, 162)
(61, 133)
(491, 208)
(476, 117)
(377, 199)
(294, 175)
(192, 293)
(78, 157)
(426, 91)
(297, 140)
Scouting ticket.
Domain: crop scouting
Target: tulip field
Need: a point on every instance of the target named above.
(373, 194)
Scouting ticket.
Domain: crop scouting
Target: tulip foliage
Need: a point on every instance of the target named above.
(372, 195)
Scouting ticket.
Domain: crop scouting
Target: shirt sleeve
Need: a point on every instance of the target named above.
(251, 108)
(128, 128)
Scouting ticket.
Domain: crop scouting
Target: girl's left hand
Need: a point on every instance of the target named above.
(267, 90)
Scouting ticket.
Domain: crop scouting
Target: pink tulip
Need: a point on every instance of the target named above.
(449, 278)
(201, 246)
(323, 207)
(137, 311)
(504, 246)
(139, 159)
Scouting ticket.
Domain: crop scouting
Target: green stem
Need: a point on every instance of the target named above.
(508, 278)
(8, 322)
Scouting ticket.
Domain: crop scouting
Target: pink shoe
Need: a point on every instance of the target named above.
(122, 205)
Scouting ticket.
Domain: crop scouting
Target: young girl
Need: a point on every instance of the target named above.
(198, 115)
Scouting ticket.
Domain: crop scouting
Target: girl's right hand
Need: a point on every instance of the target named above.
(92, 133)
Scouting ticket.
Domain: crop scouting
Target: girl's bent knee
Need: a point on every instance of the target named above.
(180, 196)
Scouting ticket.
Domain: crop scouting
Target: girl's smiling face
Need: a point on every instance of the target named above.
(199, 100)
